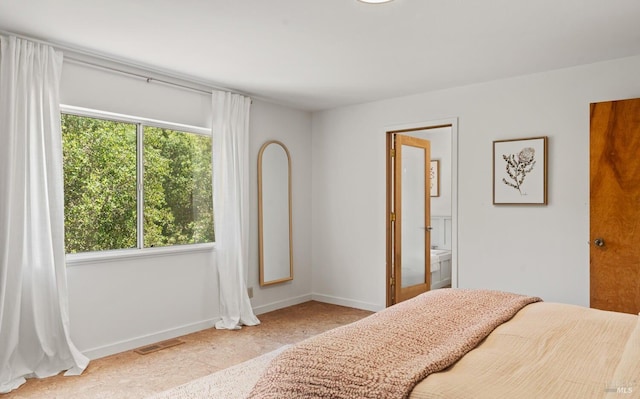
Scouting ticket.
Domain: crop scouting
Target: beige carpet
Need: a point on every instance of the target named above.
(232, 383)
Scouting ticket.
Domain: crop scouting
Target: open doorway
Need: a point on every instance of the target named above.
(421, 240)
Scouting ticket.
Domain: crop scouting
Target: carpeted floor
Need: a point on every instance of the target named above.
(129, 375)
(231, 383)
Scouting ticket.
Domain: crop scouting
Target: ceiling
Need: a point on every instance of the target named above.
(320, 54)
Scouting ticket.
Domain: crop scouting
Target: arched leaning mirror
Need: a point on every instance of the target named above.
(274, 213)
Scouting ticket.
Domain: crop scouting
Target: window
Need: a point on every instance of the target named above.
(135, 184)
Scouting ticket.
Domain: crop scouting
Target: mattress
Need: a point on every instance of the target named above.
(547, 350)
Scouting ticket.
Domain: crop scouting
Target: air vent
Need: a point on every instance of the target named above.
(158, 346)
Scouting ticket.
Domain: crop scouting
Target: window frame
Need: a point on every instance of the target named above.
(139, 251)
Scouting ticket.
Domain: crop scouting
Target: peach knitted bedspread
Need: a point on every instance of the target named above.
(386, 354)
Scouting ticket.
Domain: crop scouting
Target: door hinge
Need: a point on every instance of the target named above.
(393, 152)
(391, 282)
(393, 217)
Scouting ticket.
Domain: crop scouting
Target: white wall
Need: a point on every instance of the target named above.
(539, 250)
(293, 129)
(121, 304)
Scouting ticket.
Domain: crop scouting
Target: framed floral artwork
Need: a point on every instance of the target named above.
(434, 178)
(520, 171)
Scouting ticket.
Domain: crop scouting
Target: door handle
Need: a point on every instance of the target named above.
(599, 242)
(428, 228)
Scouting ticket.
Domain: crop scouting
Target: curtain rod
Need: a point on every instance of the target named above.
(75, 55)
(148, 79)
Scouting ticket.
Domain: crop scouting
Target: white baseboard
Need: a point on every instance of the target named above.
(347, 302)
(270, 307)
(127, 345)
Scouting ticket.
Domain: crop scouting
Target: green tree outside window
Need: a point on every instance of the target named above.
(100, 169)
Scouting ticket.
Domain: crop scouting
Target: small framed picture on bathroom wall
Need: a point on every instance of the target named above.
(434, 178)
(520, 171)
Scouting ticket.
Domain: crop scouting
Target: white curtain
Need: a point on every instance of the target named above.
(34, 318)
(231, 206)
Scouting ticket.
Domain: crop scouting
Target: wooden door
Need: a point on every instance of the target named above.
(615, 206)
(412, 204)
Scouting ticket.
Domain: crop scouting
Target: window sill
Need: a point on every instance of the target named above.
(124, 254)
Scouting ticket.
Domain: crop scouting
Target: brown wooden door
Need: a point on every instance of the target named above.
(412, 205)
(615, 206)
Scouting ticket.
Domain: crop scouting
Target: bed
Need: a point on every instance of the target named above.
(454, 343)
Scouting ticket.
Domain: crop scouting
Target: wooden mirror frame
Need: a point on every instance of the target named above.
(261, 215)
